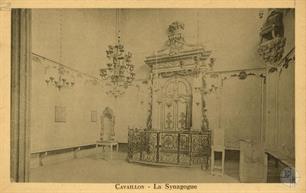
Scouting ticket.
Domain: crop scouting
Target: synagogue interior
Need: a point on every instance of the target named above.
(154, 95)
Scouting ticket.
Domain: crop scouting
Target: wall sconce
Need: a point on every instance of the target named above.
(60, 82)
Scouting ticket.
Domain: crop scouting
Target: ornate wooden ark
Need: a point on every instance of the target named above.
(177, 128)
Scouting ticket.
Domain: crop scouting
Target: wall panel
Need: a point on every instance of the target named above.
(241, 110)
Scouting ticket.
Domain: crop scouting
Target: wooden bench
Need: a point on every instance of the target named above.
(53, 151)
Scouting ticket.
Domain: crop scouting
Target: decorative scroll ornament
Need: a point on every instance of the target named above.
(205, 122)
(176, 39)
(149, 118)
(272, 51)
(242, 75)
(176, 73)
(210, 84)
(272, 43)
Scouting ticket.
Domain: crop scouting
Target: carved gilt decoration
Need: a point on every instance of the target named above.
(149, 118)
(272, 51)
(183, 64)
(176, 100)
(284, 63)
(177, 73)
(176, 39)
(205, 122)
(272, 43)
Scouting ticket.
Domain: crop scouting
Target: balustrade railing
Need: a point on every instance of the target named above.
(184, 148)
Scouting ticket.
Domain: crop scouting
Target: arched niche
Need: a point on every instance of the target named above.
(107, 132)
(176, 111)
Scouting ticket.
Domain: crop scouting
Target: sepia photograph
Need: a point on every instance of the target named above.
(152, 99)
(153, 95)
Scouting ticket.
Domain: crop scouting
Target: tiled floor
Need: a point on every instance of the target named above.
(96, 170)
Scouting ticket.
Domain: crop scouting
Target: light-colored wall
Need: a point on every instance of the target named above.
(78, 128)
(79, 101)
(236, 107)
(79, 38)
(280, 128)
(241, 120)
(75, 37)
(85, 34)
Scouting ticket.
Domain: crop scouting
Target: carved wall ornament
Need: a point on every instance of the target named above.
(272, 42)
(205, 122)
(176, 39)
(182, 120)
(272, 69)
(215, 75)
(272, 50)
(288, 59)
(149, 118)
(212, 62)
(213, 88)
(168, 124)
(284, 63)
(177, 73)
(210, 83)
(176, 53)
(273, 26)
(214, 81)
(243, 75)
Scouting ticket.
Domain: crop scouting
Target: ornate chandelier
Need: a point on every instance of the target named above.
(120, 70)
(60, 82)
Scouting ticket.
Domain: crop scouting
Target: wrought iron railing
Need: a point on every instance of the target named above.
(184, 148)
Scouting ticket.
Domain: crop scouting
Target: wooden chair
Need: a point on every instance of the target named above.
(217, 146)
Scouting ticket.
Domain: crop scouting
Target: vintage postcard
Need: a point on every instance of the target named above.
(126, 96)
